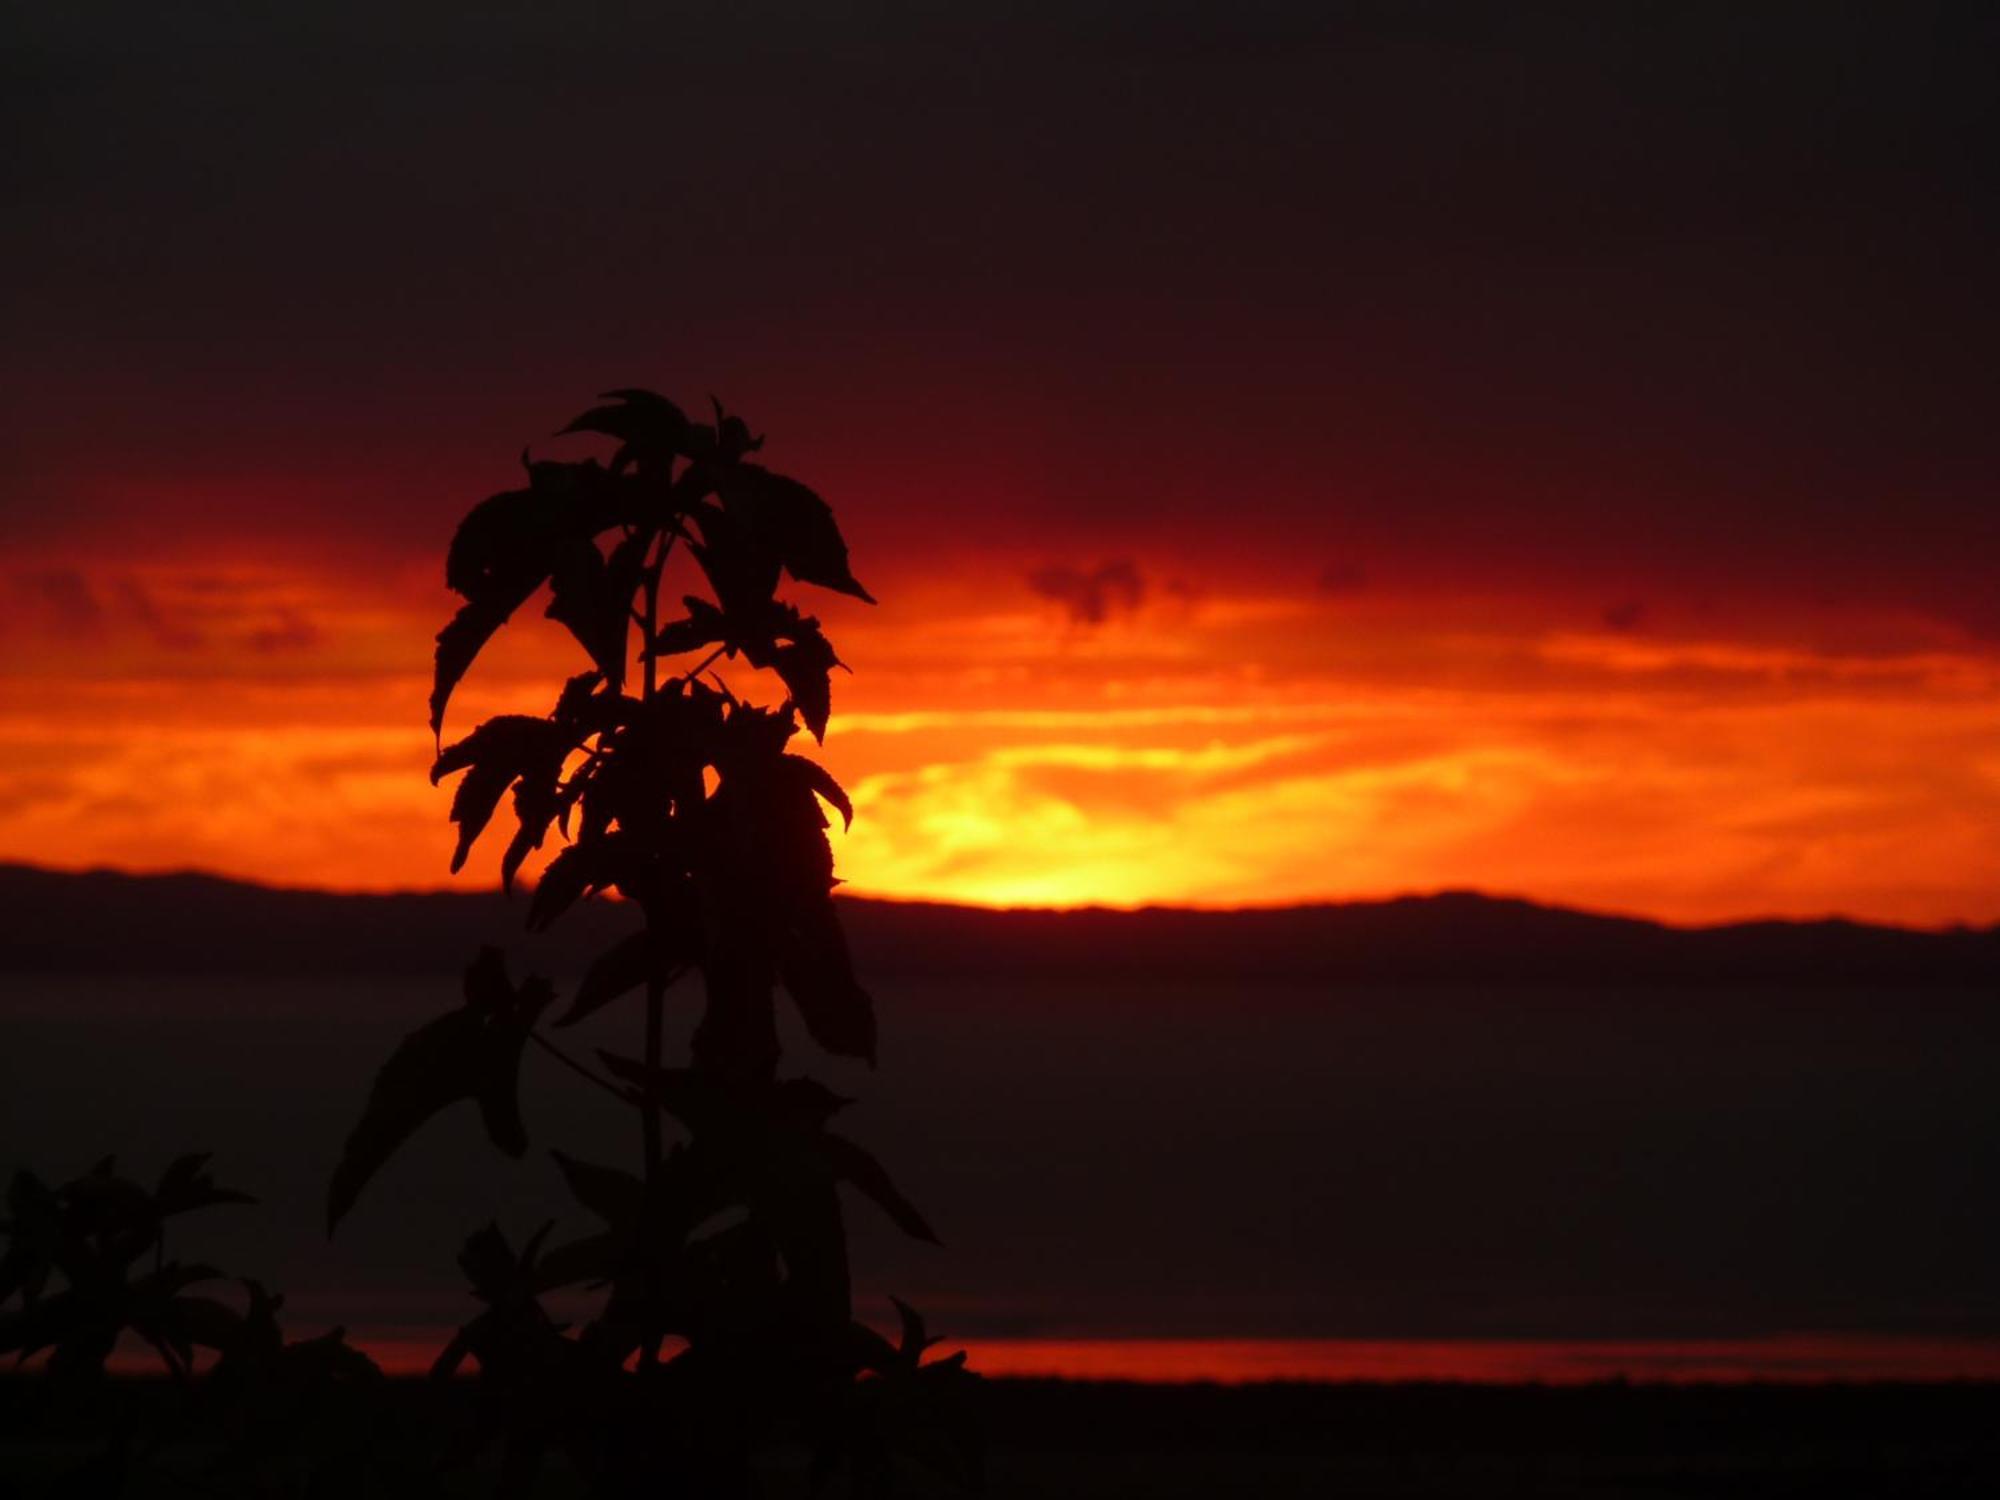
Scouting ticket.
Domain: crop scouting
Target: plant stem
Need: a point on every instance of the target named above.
(649, 1111)
(649, 621)
(623, 1095)
(656, 994)
(706, 662)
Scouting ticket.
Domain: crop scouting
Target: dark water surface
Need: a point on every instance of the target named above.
(1419, 1168)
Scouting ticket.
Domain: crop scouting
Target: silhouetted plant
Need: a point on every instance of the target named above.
(685, 800)
(88, 1264)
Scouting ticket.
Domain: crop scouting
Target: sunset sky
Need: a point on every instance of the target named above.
(1301, 455)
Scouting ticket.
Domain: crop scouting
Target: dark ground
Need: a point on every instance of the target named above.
(1058, 1440)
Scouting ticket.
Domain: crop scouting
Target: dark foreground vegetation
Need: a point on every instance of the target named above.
(1063, 1439)
(717, 1264)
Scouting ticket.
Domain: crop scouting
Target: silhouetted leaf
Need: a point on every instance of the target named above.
(593, 598)
(612, 1195)
(768, 827)
(506, 548)
(117, 1211)
(541, 810)
(329, 1358)
(915, 1338)
(472, 1053)
(185, 1186)
(46, 1321)
(509, 750)
(794, 523)
(34, 1237)
(211, 1324)
(851, 1164)
(619, 969)
(793, 646)
(807, 1101)
(537, 1390)
(81, 1324)
(593, 863)
(763, 1125)
(156, 1312)
(682, 1092)
(594, 1258)
(461, 640)
(573, 703)
(935, 1419)
(566, 878)
(732, 435)
(769, 634)
(498, 1276)
(823, 785)
(928, 1411)
(661, 952)
(742, 567)
(501, 554)
(704, 625)
(819, 976)
(650, 429)
(805, 665)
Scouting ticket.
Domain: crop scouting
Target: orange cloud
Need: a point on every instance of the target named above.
(1230, 748)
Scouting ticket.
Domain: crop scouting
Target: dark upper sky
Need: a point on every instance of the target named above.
(1698, 288)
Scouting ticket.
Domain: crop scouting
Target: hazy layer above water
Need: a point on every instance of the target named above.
(1125, 1159)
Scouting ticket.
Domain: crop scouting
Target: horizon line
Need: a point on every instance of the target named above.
(1439, 893)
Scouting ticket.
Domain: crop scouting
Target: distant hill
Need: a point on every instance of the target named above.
(105, 922)
(1450, 1117)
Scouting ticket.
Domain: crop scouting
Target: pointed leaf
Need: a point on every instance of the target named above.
(593, 863)
(34, 1237)
(461, 641)
(472, 1053)
(505, 549)
(732, 435)
(683, 1093)
(593, 598)
(499, 556)
(509, 750)
(704, 625)
(621, 968)
(489, 1263)
(594, 1258)
(650, 429)
(821, 781)
(852, 1164)
(615, 1197)
(452, 1357)
(819, 975)
(794, 523)
(805, 665)
(915, 1339)
(185, 1186)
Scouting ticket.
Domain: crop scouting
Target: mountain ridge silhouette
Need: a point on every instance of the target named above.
(114, 922)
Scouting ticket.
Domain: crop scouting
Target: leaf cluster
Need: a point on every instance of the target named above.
(593, 533)
(723, 1309)
(680, 797)
(718, 1272)
(86, 1267)
(87, 1263)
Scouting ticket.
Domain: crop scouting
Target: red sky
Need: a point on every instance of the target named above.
(1299, 457)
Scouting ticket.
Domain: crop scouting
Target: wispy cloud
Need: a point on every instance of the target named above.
(1092, 596)
(168, 609)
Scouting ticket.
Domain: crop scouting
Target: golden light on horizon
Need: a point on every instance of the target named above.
(1236, 750)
